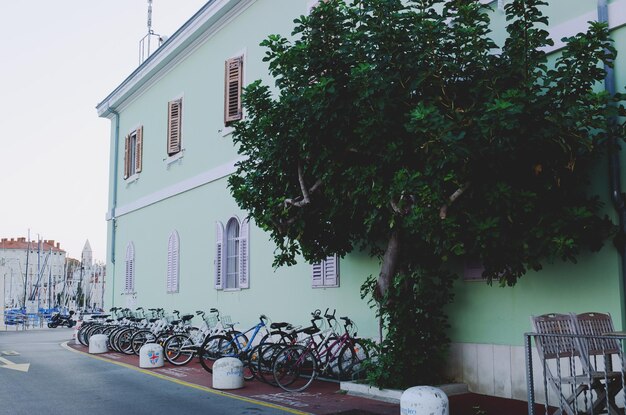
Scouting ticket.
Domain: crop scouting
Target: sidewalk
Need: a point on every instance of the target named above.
(321, 398)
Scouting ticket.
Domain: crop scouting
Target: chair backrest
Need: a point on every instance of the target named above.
(597, 324)
(555, 347)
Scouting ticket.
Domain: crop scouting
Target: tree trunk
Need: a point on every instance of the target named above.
(389, 266)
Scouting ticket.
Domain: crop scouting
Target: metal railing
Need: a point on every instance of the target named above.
(23, 321)
(575, 374)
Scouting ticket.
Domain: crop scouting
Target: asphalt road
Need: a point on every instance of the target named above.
(59, 381)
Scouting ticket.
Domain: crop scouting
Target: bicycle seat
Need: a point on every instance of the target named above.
(175, 322)
(310, 330)
(187, 317)
(152, 320)
(278, 325)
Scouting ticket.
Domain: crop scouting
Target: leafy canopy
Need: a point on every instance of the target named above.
(385, 108)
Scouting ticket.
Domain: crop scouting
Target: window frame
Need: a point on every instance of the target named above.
(320, 277)
(174, 133)
(133, 154)
(231, 117)
(473, 270)
(241, 255)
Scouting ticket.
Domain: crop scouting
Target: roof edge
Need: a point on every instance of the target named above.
(209, 15)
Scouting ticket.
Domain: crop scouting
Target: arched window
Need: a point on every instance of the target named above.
(129, 278)
(232, 254)
(231, 259)
(173, 262)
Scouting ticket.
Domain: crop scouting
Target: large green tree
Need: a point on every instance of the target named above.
(401, 128)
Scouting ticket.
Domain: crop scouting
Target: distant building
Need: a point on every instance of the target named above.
(31, 270)
(84, 285)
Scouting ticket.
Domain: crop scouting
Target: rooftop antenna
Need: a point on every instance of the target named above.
(145, 42)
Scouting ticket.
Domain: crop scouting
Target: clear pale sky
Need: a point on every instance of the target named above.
(58, 59)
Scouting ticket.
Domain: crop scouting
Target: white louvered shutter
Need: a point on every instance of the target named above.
(317, 275)
(219, 256)
(244, 254)
(174, 109)
(331, 271)
(173, 263)
(139, 150)
(127, 157)
(129, 283)
(326, 273)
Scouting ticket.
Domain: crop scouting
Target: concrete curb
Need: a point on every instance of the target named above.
(393, 395)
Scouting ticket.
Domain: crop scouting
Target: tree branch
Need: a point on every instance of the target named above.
(388, 267)
(443, 211)
(305, 199)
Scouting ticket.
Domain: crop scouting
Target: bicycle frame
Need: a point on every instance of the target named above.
(256, 328)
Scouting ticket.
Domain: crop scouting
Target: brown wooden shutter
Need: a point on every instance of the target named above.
(232, 93)
(174, 110)
(138, 149)
(127, 157)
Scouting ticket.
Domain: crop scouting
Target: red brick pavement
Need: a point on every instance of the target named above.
(321, 398)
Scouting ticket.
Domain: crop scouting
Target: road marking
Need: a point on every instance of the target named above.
(9, 353)
(189, 384)
(22, 367)
(290, 398)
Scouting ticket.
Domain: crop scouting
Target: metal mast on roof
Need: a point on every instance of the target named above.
(145, 42)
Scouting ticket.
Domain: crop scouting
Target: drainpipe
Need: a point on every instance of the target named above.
(615, 169)
(113, 213)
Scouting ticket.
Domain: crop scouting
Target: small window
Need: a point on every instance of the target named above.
(232, 90)
(325, 274)
(174, 126)
(133, 153)
(129, 281)
(173, 262)
(232, 255)
(473, 270)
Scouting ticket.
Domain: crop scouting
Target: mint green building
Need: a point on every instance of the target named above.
(176, 238)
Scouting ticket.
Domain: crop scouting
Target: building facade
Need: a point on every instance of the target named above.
(176, 238)
(31, 271)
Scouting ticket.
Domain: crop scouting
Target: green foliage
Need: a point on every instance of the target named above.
(415, 344)
(403, 118)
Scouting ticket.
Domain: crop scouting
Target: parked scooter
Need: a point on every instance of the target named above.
(60, 320)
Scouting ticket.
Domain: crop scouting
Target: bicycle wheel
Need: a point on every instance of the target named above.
(179, 349)
(294, 368)
(213, 348)
(266, 355)
(351, 359)
(123, 341)
(250, 363)
(140, 338)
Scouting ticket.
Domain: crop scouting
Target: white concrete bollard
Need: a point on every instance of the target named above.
(75, 334)
(98, 343)
(228, 373)
(424, 400)
(150, 356)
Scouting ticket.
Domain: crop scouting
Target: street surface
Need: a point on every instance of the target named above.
(39, 376)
